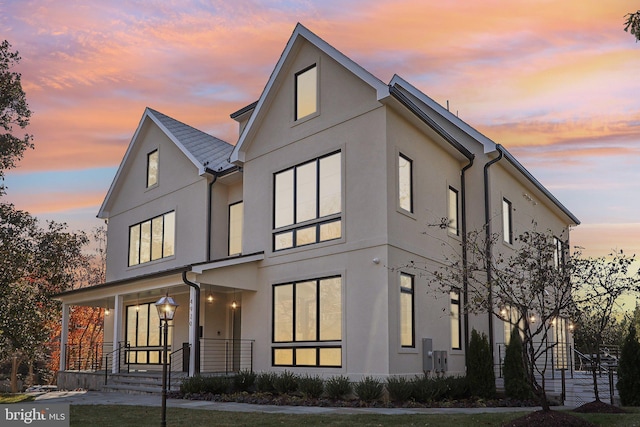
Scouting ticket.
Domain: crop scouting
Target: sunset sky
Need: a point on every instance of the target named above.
(556, 82)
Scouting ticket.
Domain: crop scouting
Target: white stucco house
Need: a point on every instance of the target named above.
(279, 247)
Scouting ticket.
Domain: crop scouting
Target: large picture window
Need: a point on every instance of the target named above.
(407, 318)
(306, 92)
(308, 203)
(152, 239)
(308, 316)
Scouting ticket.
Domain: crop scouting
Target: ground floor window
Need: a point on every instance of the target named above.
(455, 319)
(407, 318)
(143, 334)
(307, 323)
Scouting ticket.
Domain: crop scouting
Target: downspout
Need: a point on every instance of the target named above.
(487, 254)
(196, 332)
(465, 279)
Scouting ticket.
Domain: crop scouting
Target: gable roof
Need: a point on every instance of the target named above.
(207, 153)
(301, 32)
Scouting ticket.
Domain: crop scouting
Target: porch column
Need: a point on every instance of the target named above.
(118, 315)
(64, 336)
(194, 335)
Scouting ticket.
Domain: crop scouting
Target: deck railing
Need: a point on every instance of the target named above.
(223, 355)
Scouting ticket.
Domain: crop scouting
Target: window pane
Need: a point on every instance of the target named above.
(283, 356)
(306, 306)
(306, 192)
(306, 93)
(145, 242)
(131, 326)
(455, 319)
(406, 310)
(283, 313)
(142, 356)
(330, 185)
(169, 234)
(235, 228)
(154, 357)
(306, 357)
(283, 240)
(453, 211)
(154, 324)
(331, 309)
(156, 238)
(152, 168)
(506, 220)
(284, 198)
(134, 245)
(330, 357)
(143, 326)
(404, 183)
(305, 236)
(330, 230)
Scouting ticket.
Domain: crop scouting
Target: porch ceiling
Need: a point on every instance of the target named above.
(239, 273)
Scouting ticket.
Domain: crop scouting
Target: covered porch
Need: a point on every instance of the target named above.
(205, 335)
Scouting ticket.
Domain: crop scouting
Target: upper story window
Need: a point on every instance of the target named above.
(308, 203)
(235, 228)
(558, 254)
(306, 92)
(507, 221)
(152, 239)
(152, 168)
(453, 211)
(405, 183)
(407, 318)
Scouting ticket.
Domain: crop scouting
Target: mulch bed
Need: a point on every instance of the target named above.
(599, 407)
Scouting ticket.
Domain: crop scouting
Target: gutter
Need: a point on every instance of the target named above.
(196, 329)
(487, 253)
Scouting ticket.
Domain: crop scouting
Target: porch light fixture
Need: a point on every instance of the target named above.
(234, 304)
(209, 295)
(166, 307)
(106, 310)
(532, 319)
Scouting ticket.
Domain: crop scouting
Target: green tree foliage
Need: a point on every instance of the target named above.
(632, 24)
(516, 385)
(14, 111)
(629, 370)
(480, 375)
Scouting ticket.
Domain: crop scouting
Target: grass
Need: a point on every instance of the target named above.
(14, 398)
(122, 416)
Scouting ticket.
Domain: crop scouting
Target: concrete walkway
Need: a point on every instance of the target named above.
(104, 398)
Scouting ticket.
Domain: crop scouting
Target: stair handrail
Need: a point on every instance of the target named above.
(121, 349)
(583, 357)
(172, 368)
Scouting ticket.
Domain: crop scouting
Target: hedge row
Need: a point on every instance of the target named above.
(419, 389)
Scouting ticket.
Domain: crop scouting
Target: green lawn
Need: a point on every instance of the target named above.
(14, 398)
(122, 416)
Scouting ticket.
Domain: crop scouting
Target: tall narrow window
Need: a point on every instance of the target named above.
(152, 168)
(560, 338)
(455, 319)
(306, 92)
(405, 183)
(407, 319)
(453, 211)
(307, 323)
(152, 239)
(558, 254)
(309, 194)
(507, 221)
(235, 228)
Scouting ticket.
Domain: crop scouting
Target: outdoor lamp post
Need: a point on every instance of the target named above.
(166, 307)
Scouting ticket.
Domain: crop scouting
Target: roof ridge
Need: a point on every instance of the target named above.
(154, 111)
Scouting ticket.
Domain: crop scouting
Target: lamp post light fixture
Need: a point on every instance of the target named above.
(166, 307)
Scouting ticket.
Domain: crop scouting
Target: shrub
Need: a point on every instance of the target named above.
(200, 384)
(457, 388)
(516, 385)
(400, 389)
(369, 389)
(264, 382)
(338, 387)
(425, 389)
(286, 382)
(311, 386)
(244, 380)
(629, 370)
(482, 380)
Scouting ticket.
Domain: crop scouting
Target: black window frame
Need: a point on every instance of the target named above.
(409, 291)
(457, 199)
(132, 353)
(295, 107)
(411, 182)
(157, 167)
(229, 228)
(509, 221)
(139, 224)
(456, 302)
